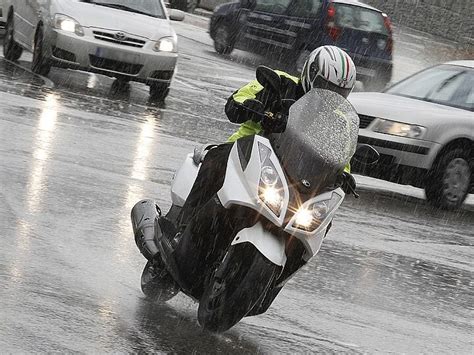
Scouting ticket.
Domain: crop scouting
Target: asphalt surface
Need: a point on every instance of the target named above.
(394, 275)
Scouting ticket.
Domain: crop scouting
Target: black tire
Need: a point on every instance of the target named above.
(185, 5)
(223, 42)
(157, 284)
(40, 64)
(11, 49)
(238, 284)
(159, 92)
(450, 179)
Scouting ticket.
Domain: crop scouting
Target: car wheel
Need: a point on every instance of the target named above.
(11, 49)
(450, 180)
(41, 64)
(158, 92)
(185, 5)
(299, 64)
(222, 40)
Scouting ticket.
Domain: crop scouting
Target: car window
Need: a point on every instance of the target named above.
(305, 8)
(148, 7)
(359, 18)
(273, 6)
(445, 84)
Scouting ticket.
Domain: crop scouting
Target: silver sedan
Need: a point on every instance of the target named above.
(131, 40)
(423, 128)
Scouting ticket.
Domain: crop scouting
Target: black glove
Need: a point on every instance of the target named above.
(253, 109)
(274, 123)
(349, 184)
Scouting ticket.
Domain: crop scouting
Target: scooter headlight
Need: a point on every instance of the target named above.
(310, 216)
(270, 188)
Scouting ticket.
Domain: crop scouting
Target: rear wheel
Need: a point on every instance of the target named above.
(223, 43)
(236, 286)
(11, 49)
(41, 64)
(184, 5)
(157, 284)
(450, 180)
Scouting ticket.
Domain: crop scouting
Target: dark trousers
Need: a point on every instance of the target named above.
(196, 248)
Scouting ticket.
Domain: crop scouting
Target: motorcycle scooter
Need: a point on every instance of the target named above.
(270, 216)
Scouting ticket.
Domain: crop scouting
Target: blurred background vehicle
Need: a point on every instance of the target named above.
(423, 128)
(128, 40)
(2, 16)
(291, 29)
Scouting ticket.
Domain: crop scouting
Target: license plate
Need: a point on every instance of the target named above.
(117, 54)
(365, 71)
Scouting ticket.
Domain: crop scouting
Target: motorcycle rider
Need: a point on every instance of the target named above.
(328, 67)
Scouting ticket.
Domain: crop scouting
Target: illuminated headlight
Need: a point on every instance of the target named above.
(310, 216)
(67, 24)
(166, 44)
(399, 129)
(270, 188)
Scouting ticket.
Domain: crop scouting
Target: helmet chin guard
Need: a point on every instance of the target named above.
(329, 67)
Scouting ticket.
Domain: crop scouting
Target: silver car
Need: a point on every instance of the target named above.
(131, 40)
(423, 128)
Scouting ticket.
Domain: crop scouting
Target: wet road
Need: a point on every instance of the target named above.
(394, 275)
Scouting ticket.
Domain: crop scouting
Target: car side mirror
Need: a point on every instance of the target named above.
(366, 155)
(247, 4)
(176, 15)
(268, 78)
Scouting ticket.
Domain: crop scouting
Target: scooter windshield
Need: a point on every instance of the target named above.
(319, 140)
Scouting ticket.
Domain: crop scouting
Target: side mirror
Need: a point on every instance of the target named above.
(366, 155)
(176, 15)
(268, 78)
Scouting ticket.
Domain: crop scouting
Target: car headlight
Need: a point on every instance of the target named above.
(67, 24)
(167, 44)
(310, 216)
(398, 129)
(270, 188)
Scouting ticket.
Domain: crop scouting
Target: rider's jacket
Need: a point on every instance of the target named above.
(291, 89)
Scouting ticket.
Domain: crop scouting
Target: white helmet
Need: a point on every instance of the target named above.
(329, 67)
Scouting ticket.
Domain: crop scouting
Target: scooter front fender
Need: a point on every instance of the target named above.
(270, 245)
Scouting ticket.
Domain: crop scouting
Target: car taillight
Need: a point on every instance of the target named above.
(388, 26)
(333, 31)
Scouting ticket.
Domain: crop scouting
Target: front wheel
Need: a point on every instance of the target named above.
(158, 92)
(11, 49)
(450, 180)
(236, 286)
(41, 64)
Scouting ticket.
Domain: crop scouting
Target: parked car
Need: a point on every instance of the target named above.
(423, 128)
(131, 40)
(293, 28)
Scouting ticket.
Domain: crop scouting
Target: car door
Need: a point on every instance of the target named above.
(262, 26)
(32, 14)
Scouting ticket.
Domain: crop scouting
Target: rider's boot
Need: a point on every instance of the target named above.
(143, 216)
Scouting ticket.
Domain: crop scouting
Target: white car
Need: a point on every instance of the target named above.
(423, 128)
(131, 40)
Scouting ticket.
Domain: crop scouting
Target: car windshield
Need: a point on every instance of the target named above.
(360, 18)
(449, 85)
(145, 7)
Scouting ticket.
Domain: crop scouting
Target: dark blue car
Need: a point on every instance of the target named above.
(291, 29)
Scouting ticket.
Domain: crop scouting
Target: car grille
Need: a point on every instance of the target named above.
(115, 65)
(125, 40)
(365, 121)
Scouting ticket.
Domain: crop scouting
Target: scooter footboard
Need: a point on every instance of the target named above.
(270, 245)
